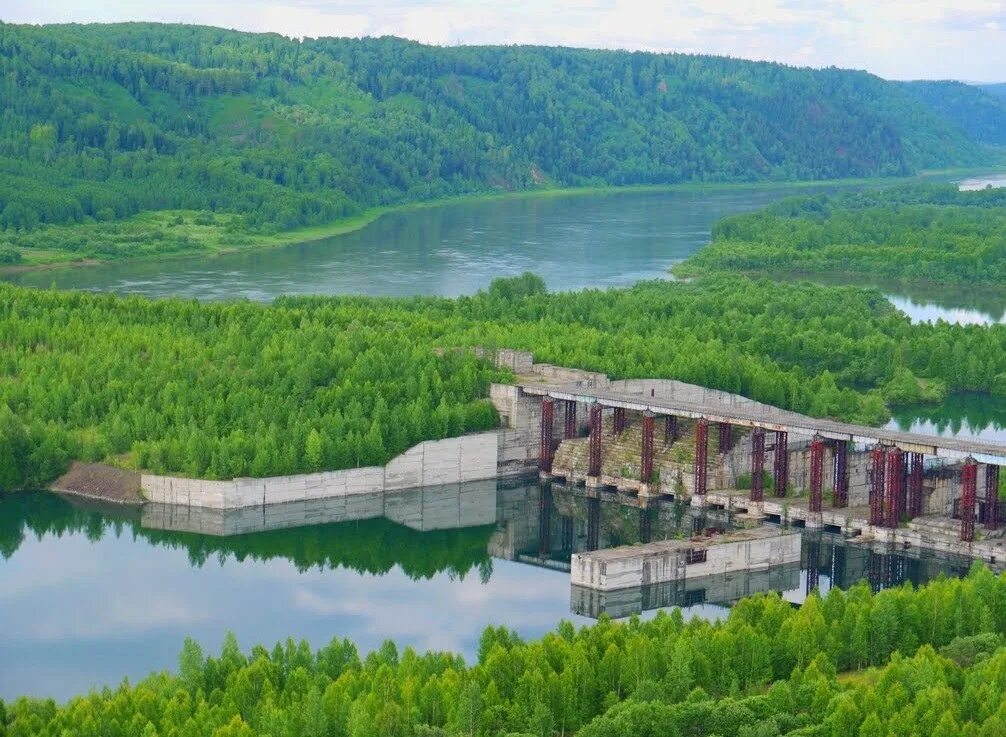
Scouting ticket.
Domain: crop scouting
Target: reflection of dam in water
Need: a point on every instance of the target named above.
(449, 507)
(543, 524)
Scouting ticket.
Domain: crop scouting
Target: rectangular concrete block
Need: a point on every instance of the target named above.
(365, 480)
(406, 470)
(441, 462)
(479, 456)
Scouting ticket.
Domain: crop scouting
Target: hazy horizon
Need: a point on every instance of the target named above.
(894, 40)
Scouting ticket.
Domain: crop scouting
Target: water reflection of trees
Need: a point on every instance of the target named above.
(372, 546)
(972, 412)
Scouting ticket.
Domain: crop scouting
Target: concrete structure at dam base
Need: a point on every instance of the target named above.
(668, 561)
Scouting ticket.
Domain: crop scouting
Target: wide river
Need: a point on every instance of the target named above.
(89, 597)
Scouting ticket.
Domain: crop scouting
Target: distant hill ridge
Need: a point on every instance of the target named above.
(106, 121)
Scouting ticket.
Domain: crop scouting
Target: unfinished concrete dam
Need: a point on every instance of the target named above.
(657, 437)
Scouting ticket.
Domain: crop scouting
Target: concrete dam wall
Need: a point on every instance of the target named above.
(432, 463)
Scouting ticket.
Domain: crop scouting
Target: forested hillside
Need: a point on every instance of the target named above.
(979, 112)
(234, 136)
(898, 663)
(931, 233)
(999, 90)
(224, 390)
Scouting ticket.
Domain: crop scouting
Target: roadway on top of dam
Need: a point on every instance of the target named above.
(717, 406)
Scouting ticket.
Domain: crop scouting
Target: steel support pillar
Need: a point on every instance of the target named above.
(969, 488)
(816, 473)
(916, 464)
(841, 474)
(646, 459)
(757, 464)
(570, 418)
(992, 520)
(618, 420)
(701, 456)
(724, 437)
(547, 423)
(594, 461)
(780, 469)
(894, 486)
(670, 429)
(876, 480)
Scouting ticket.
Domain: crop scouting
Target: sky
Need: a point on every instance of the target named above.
(897, 39)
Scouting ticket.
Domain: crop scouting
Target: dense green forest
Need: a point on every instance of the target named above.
(931, 233)
(929, 662)
(222, 390)
(980, 113)
(147, 138)
(999, 90)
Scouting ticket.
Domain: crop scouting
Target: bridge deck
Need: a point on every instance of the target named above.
(752, 414)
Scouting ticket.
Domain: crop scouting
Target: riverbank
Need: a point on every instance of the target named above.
(100, 482)
(181, 234)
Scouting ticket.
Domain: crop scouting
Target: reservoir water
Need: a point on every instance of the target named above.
(91, 596)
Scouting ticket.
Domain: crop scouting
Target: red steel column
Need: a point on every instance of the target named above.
(780, 475)
(917, 461)
(724, 439)
(570, 418)
(618, 420)
(646, 461)
(877, 475)
(670, 429)
(758, 464)
(701, 456)
(547, 423)
(816, 473)
(894, 486)
(969, 487)
(992, 520)
(594, 463)
(841, 474)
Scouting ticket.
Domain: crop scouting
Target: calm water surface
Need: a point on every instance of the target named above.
(89, 597)
(574, 241)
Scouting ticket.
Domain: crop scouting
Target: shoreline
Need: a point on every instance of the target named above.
(354, 223)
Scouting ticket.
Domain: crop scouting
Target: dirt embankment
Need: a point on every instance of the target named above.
(98, 481)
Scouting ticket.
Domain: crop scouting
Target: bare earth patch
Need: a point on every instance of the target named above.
(98, 481)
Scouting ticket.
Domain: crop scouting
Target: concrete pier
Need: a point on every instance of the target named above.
(676, 560)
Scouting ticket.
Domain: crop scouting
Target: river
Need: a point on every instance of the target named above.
(574, 241)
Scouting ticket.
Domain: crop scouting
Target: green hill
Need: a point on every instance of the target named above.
(999, 90)
(254, 133)
(981, 113)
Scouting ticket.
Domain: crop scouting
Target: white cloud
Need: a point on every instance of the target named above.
(890, 37)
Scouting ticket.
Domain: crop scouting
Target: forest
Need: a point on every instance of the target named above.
(980, 112)
(905, 662)
(920, 233)
(145, 139)
(312, 383)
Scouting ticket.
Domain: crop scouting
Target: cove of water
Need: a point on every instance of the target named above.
(90, 596)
